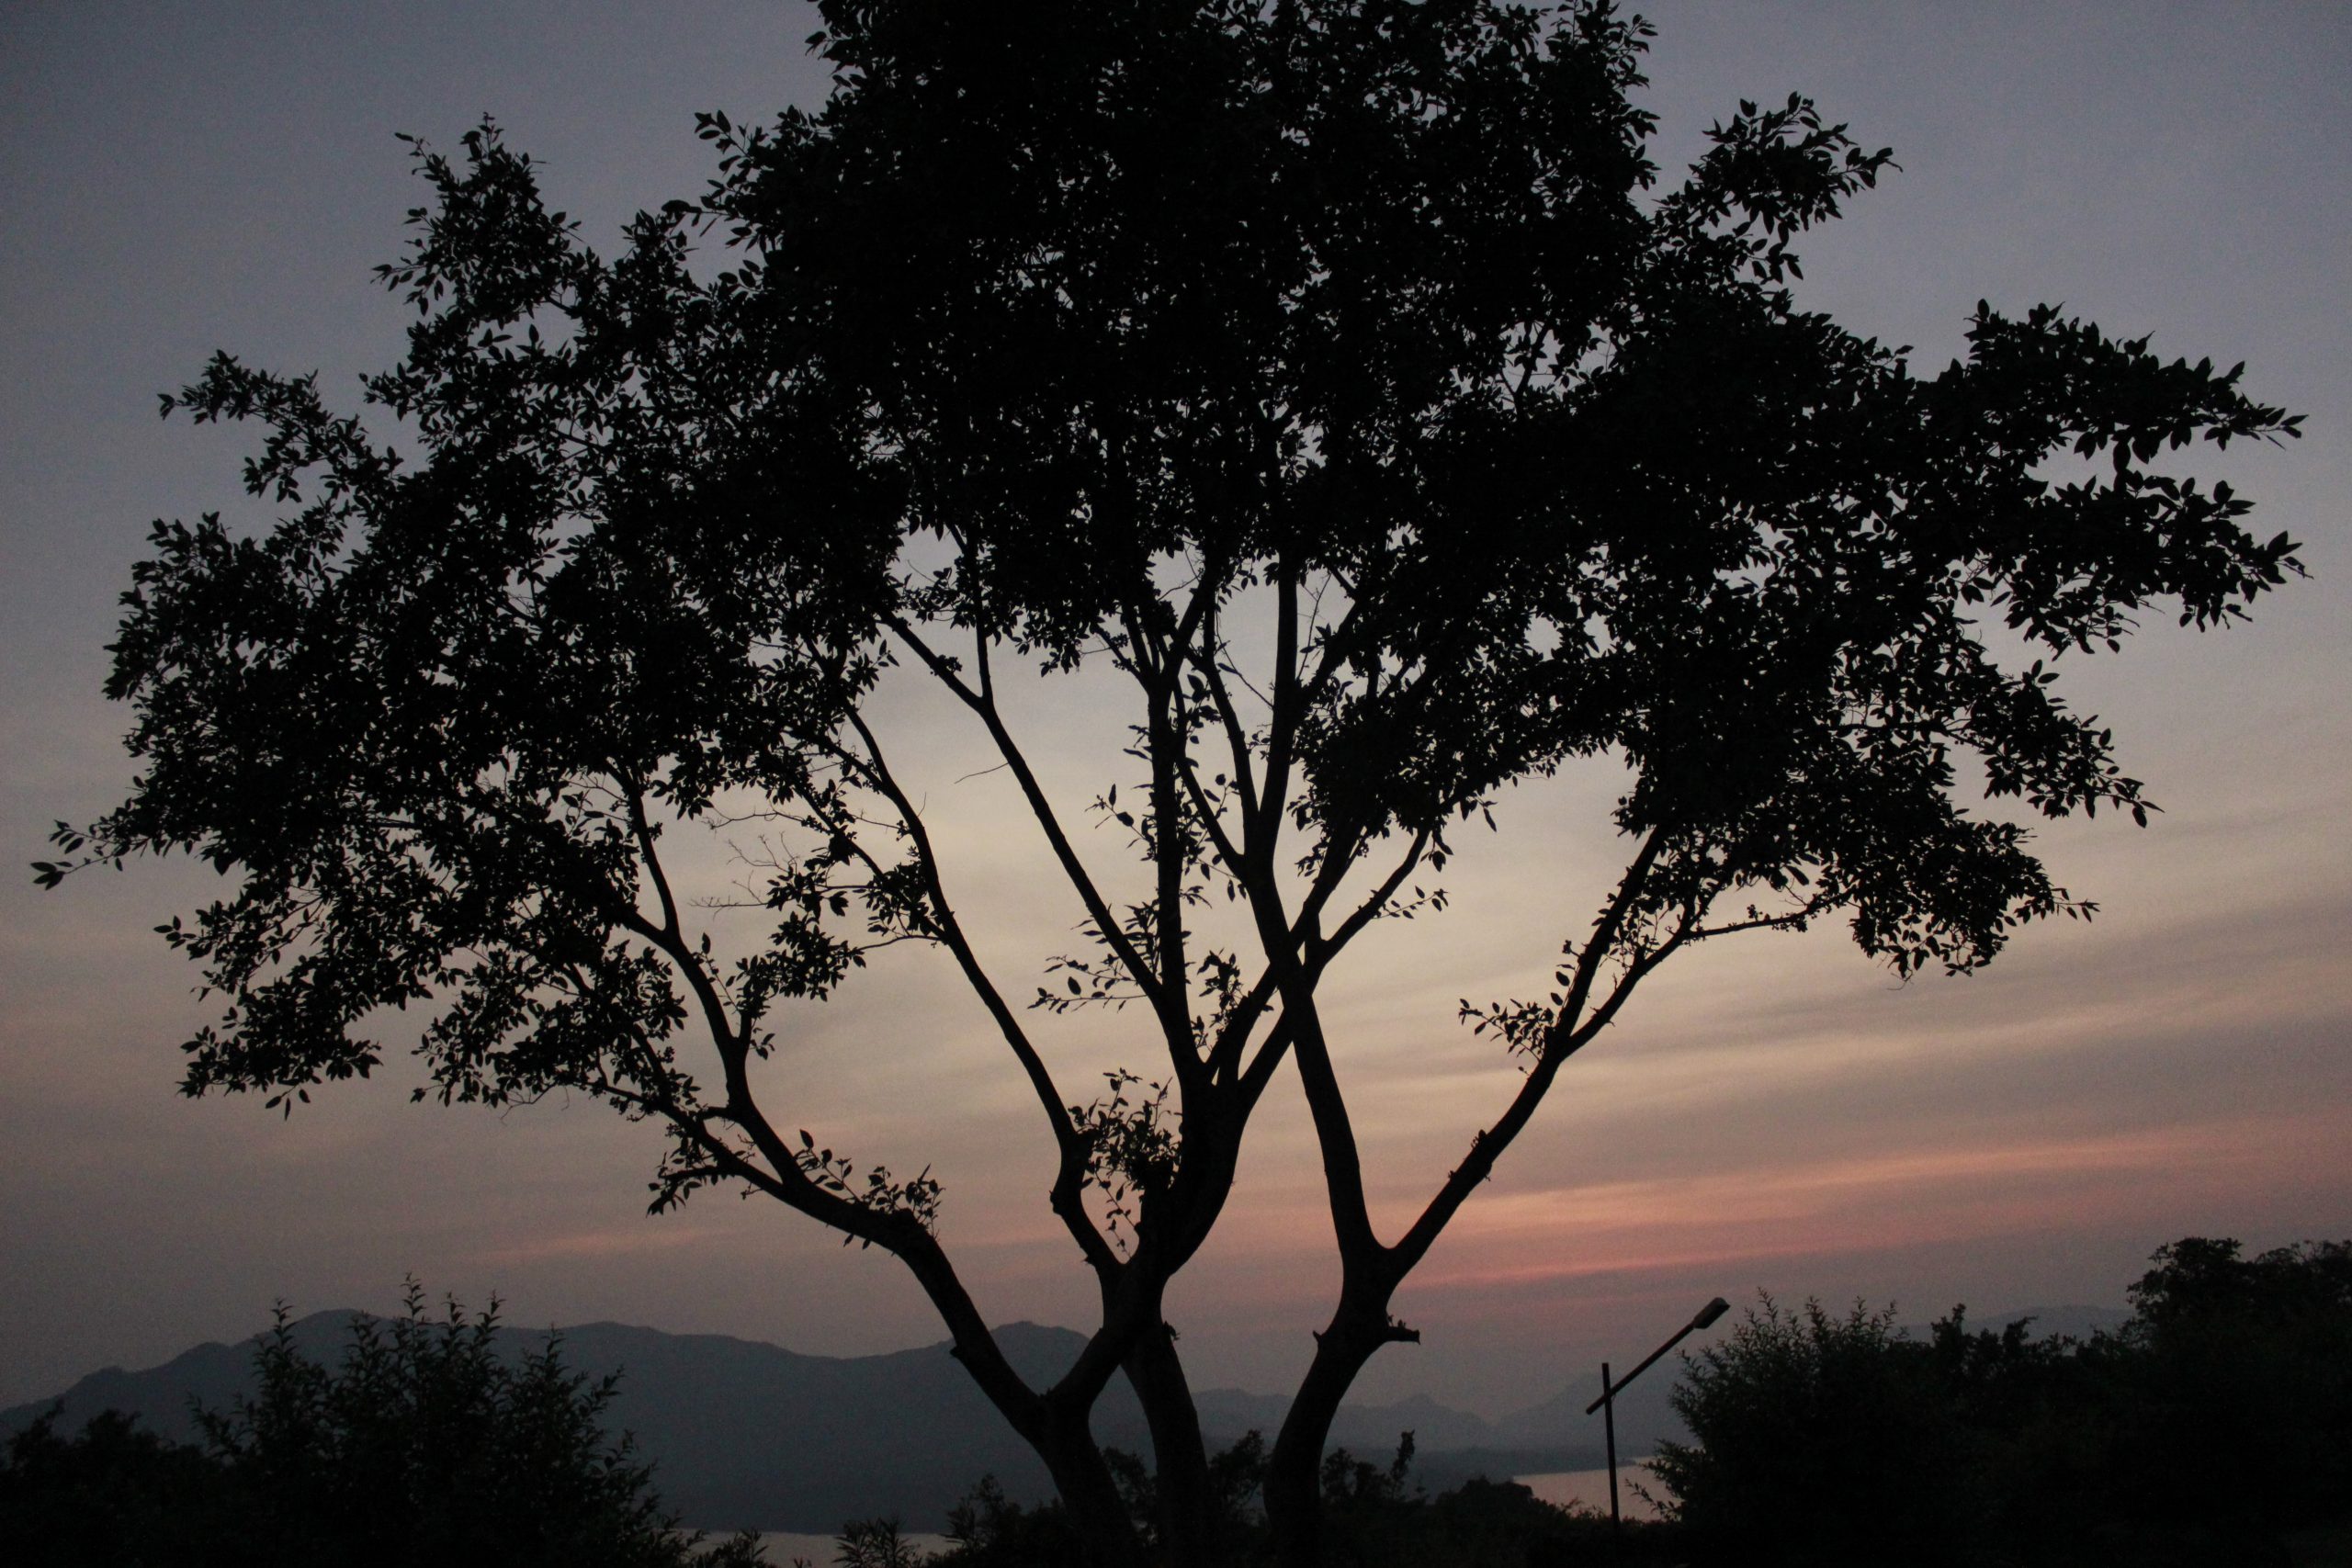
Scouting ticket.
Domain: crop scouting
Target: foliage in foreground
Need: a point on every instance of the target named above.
(2213, 1429)
(1374, 1516)
(2219, 1418)
(423, 1447)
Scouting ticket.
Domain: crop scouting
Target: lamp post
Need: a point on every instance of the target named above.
(1607, 1402)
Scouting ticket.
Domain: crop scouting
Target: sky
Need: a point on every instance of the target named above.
(1776, 1114)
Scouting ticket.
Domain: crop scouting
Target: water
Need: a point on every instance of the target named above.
(1586, 1488)
(1589, 1488)
(817, 1551)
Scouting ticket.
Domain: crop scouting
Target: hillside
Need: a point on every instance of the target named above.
(747, 1434)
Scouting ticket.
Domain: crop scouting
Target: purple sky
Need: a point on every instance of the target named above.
(1777, 1113)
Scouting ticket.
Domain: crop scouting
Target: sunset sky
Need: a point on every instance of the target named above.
(1776, 1112)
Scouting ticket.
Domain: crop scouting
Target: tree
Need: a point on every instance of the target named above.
(113, 1495)
(425, 1445)
(1333, 376)
(2241, 1384)
(2215, 1419)
(1820, 1438)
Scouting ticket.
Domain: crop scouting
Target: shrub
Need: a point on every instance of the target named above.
(1818, 1438)
(2219, 1416)
(115, 1495)
(2242, 1383)
(425, 1446)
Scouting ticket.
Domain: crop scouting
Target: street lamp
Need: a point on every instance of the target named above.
(1607, 1402)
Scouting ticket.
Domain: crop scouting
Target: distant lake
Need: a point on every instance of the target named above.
(1589, 1487)
(817, 1551)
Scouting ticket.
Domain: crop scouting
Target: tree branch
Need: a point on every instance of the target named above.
(1562, 1041)
(1334, 1131)
(1070, 1146)
(984, 706)
(1282, 727)
(1237, 738)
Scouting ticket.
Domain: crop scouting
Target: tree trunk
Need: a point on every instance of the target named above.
(1188, 1515)
(1097, 1511)
(1294, 1469)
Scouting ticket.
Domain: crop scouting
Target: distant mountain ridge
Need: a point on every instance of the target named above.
(744, 1434)
(751, 1435)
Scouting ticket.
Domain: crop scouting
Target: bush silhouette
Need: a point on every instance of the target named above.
(115, 1495)
(2217, 1419)
(425, 1446)
(1818, 1437)
(1376, 1517)
(2242, 1385)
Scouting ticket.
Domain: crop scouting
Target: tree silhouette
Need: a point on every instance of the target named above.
(425, 1444)
(1332, 375)
(2243, 1404)
(2213, 1421)
(1818, 1437)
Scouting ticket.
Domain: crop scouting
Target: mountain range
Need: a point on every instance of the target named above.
(748, 1435)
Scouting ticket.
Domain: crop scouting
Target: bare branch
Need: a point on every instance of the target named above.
(1208, 662)
(984, 706)
(1281, 728)
(1325, 949)
(1069, 1147)
(1563, 1041)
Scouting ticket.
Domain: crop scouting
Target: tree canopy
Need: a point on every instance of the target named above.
(1338, 375)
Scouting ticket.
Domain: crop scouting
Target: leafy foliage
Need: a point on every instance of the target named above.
(1375, 1517)
(423, 1446)
(2213, 1421)
(115, 1495)
(876, 1543)
(2245, 1384)
(989, 1530)
(1817, 1438)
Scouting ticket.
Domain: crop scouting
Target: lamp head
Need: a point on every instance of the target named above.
(1712, 1311)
